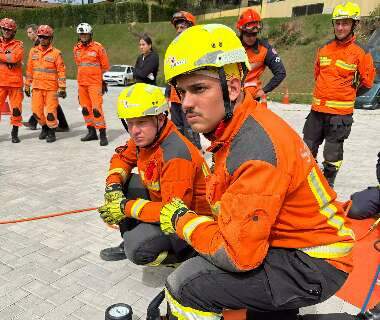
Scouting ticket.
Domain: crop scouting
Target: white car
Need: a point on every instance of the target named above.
(119, 74)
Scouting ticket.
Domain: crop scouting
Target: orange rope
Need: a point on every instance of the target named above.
(47, 216)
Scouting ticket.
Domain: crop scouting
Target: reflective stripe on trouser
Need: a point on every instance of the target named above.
(287, 279)
(15, 96)
(90, 97)
(44, 106)
(334, 104)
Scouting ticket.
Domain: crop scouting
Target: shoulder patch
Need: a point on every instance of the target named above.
(251, 143)
(174, 147)
(362, 46)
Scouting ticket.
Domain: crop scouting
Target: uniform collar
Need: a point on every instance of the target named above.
(7, 42)
(226, 131)
(41, 48)
(346, 42)
(81, 45)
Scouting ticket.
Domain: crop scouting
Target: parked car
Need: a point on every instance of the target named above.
(371, 98)
(119, 74)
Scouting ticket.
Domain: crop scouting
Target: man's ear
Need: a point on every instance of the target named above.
(234, 88)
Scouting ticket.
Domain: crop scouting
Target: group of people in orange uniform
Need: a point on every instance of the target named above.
(45, 79)
(261, 229)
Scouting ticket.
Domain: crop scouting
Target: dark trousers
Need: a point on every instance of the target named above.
(288, 279)
(62, 122)
(365, 203)
(179, 119)
(144, 242)
(334, 129)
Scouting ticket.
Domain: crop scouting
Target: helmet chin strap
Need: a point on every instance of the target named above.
(228, 104)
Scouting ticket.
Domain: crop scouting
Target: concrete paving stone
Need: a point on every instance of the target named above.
(89, 312)
(11, 297)
(104, 274)
(90, 282)
(30, 248)
(26, 315)
(8, 285)
(64, 310)
(40, 289)
(10, 312)
(70, 267)
(66, 293)
(4, 268)
(36, 305)
(122, 287)
(94, 299)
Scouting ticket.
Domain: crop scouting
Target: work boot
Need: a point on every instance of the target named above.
(44, 132)
(14, 134)
(371, 314)
(91, 135)
(51, 135)
(113, 253)
(330, 171)
(103, 137)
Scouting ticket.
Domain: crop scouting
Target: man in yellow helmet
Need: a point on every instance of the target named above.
(278, 239)
(169, 166)
(343, 70)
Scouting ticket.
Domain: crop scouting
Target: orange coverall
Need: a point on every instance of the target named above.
(45, 72)
(172, 167)
(92, 62)
(267, 193)
(11, 82)
(337, 65)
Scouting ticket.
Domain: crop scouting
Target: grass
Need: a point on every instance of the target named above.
(296, 40)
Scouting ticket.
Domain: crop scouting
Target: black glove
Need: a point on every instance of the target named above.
(104, 87)
(62, 93)
(378, 167)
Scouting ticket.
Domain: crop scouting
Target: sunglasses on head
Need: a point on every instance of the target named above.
(43, 37)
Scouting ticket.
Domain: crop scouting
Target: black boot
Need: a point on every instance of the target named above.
(103, 137)
(14, 134)
(330, 171)
(44, 132)
(51, 135)
(62, 122)
(113, 253)
(91, 135)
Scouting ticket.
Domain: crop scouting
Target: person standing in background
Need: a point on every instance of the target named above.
(146, 67)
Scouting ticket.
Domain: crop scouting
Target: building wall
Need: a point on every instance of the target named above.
(284, 8)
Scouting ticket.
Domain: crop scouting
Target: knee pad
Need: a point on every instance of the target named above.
(37, 117)
(97, 114)
(85, 111)
(50, 117)
(16, 112)
(333, 151)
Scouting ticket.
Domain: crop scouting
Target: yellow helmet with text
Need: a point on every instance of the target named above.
(348, 10)
(140, 100)
(203, 46)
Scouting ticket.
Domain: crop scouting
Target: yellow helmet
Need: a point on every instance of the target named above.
(201, 46)
(141, 100)
(348, 10)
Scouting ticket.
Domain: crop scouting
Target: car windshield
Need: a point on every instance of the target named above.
(117, 69)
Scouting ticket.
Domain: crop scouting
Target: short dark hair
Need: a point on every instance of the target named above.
(33, 26)
(147, 39)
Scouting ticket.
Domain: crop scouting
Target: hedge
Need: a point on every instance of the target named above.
(100, 13)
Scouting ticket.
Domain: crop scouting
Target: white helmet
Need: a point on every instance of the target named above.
(84, 28)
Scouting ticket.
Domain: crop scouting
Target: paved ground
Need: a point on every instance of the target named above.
(50, 269)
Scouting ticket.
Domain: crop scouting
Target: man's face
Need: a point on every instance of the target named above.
(202, 101)
(44, 40)
(181, 26)
(342, 28)
(143, 130)
(7, 33)
(84, 37)
(249, 38)
(31, 34)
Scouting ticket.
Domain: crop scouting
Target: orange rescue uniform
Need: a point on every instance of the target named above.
(45, 72)
(92, 62)
(11, 82)
(337, 65)
(266, 191)
(171, 167)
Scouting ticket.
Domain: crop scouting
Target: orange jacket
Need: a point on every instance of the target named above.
(266, 191)
(260, 56)
(11, 56)
(172, 167)
(92, 62)
(336, 66)
(173, 97)
(45, 68)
